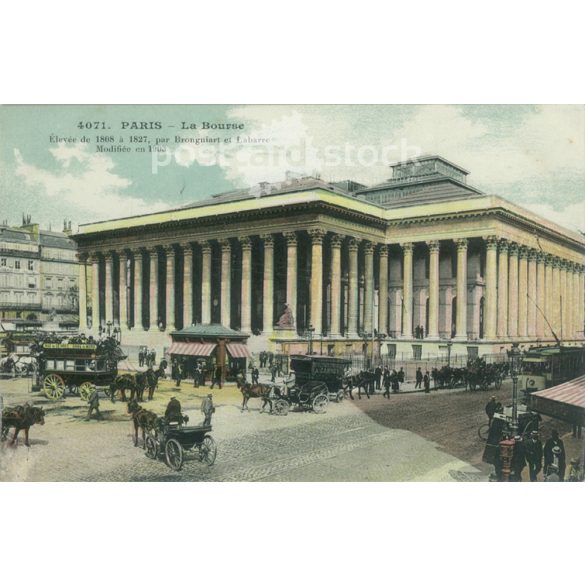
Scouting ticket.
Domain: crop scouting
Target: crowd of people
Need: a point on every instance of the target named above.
(146, 357)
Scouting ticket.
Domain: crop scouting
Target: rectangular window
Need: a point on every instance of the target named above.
(472, 352)
(17, 264)
(3, 262)
(392, 351)
(417, 352)
(69, 365)
(48, 283)
(31, 265)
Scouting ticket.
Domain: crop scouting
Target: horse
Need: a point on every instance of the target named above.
(143, 419)
(123, 383)
(248, 391)
(21, 417)
(152, 379)
(365, 380)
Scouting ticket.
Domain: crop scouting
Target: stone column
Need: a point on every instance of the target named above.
(577, 302)
(291, 269)
(316, 287)
(123, 292)
(569, 295)
(353, 305)
(433, 332)
(109, 289)
(170, 312)
(187, 285)
(563, 299)
(540, 296)
(513, 291)
(153, 288)
(268, 285)
(581, 323)
(523, 292)
(407, 292)
(246, 244)
(548, 299)
(82, 259)
(461, 316)
(138, 317)
(502, 317)
(368, 287)
(383, 296)
(95, 292)
(491, 293)
(226, 287)
(335, 285)
(206, 282)
(556, 296)
(532, 300)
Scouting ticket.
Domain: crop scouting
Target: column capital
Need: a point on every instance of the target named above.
(383, 249)
(532, 254)
(491, 242)
(268, 240)
(225, 244)
(353, 244)
(317, 235)
(556, 262)
(407, 247)
(94, 257)
(368, 248)
(291, 238)
(245, 242)
(513, 248)
(82, 257)
(205, 246)
(138, 251)
(461, 243)
(503, 245)
(108, 255)
(187, 249)
(434, 245)
(169, 249)
(152, 249)
(523, 252)
(549, 259)
(541, 257)
(336, 241)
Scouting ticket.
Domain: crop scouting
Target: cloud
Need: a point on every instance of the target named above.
(571, 217)
(84, 187)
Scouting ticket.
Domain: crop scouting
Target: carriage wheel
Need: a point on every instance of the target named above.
(340, 396)
(174, 454)
(320, 403)
(54, 386)
(483, 431)
(85, 390)
(151, 447)
(281, 407)
(207, 450)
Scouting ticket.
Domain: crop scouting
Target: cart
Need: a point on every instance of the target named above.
(172, 441)
(323, 372)
(76, 368)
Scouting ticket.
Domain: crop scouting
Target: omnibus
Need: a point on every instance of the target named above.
(543, 367)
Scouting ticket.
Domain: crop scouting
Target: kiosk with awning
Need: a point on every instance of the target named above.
(212, 345)
(565, 402)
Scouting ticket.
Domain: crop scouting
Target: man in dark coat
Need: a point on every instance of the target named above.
(401, 376)
(255, 375)
(173, 412)
(387, 383)
(490, 409)
(216, 378)
(549, 455)
(419, 378)
(207, 409)
(533, 449)
(378, 376)
(427, 383)
(141, 357)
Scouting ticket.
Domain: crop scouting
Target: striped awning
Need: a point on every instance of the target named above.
(565, 401)
(238, 350)
(195, 349)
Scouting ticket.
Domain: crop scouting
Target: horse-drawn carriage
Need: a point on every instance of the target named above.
(76, 367)
(325, 373)
(173, 440)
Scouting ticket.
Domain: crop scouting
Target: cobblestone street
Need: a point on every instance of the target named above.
(411, 436)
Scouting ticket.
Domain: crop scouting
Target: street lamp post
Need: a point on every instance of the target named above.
(449, 345)
(310, 332)
(515, 359)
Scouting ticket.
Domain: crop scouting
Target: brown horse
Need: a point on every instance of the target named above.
(123, 383)
(152, 379)
(248, 391)
(143, 419)
(21, 417)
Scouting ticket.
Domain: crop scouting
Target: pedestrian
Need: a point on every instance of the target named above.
(255, 376)
(94, 404)
(177, 374)
(387, 386)
(378, 376)
(207, 409)
(419, 378)
(533, 449)
(395, 382)
(490, 409)
(401, 376)
(273, 370)
(140, 357)
(173, 412)
(550, 454)
(216, 378)
(427, 383)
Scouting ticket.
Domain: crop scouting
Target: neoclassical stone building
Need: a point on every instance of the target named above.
(420, 263)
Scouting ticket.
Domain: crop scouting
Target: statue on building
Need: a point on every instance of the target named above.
(286, 319)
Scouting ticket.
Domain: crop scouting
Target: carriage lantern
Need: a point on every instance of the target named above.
(515, 357)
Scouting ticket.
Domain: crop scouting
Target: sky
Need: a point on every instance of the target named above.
(531, 155)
